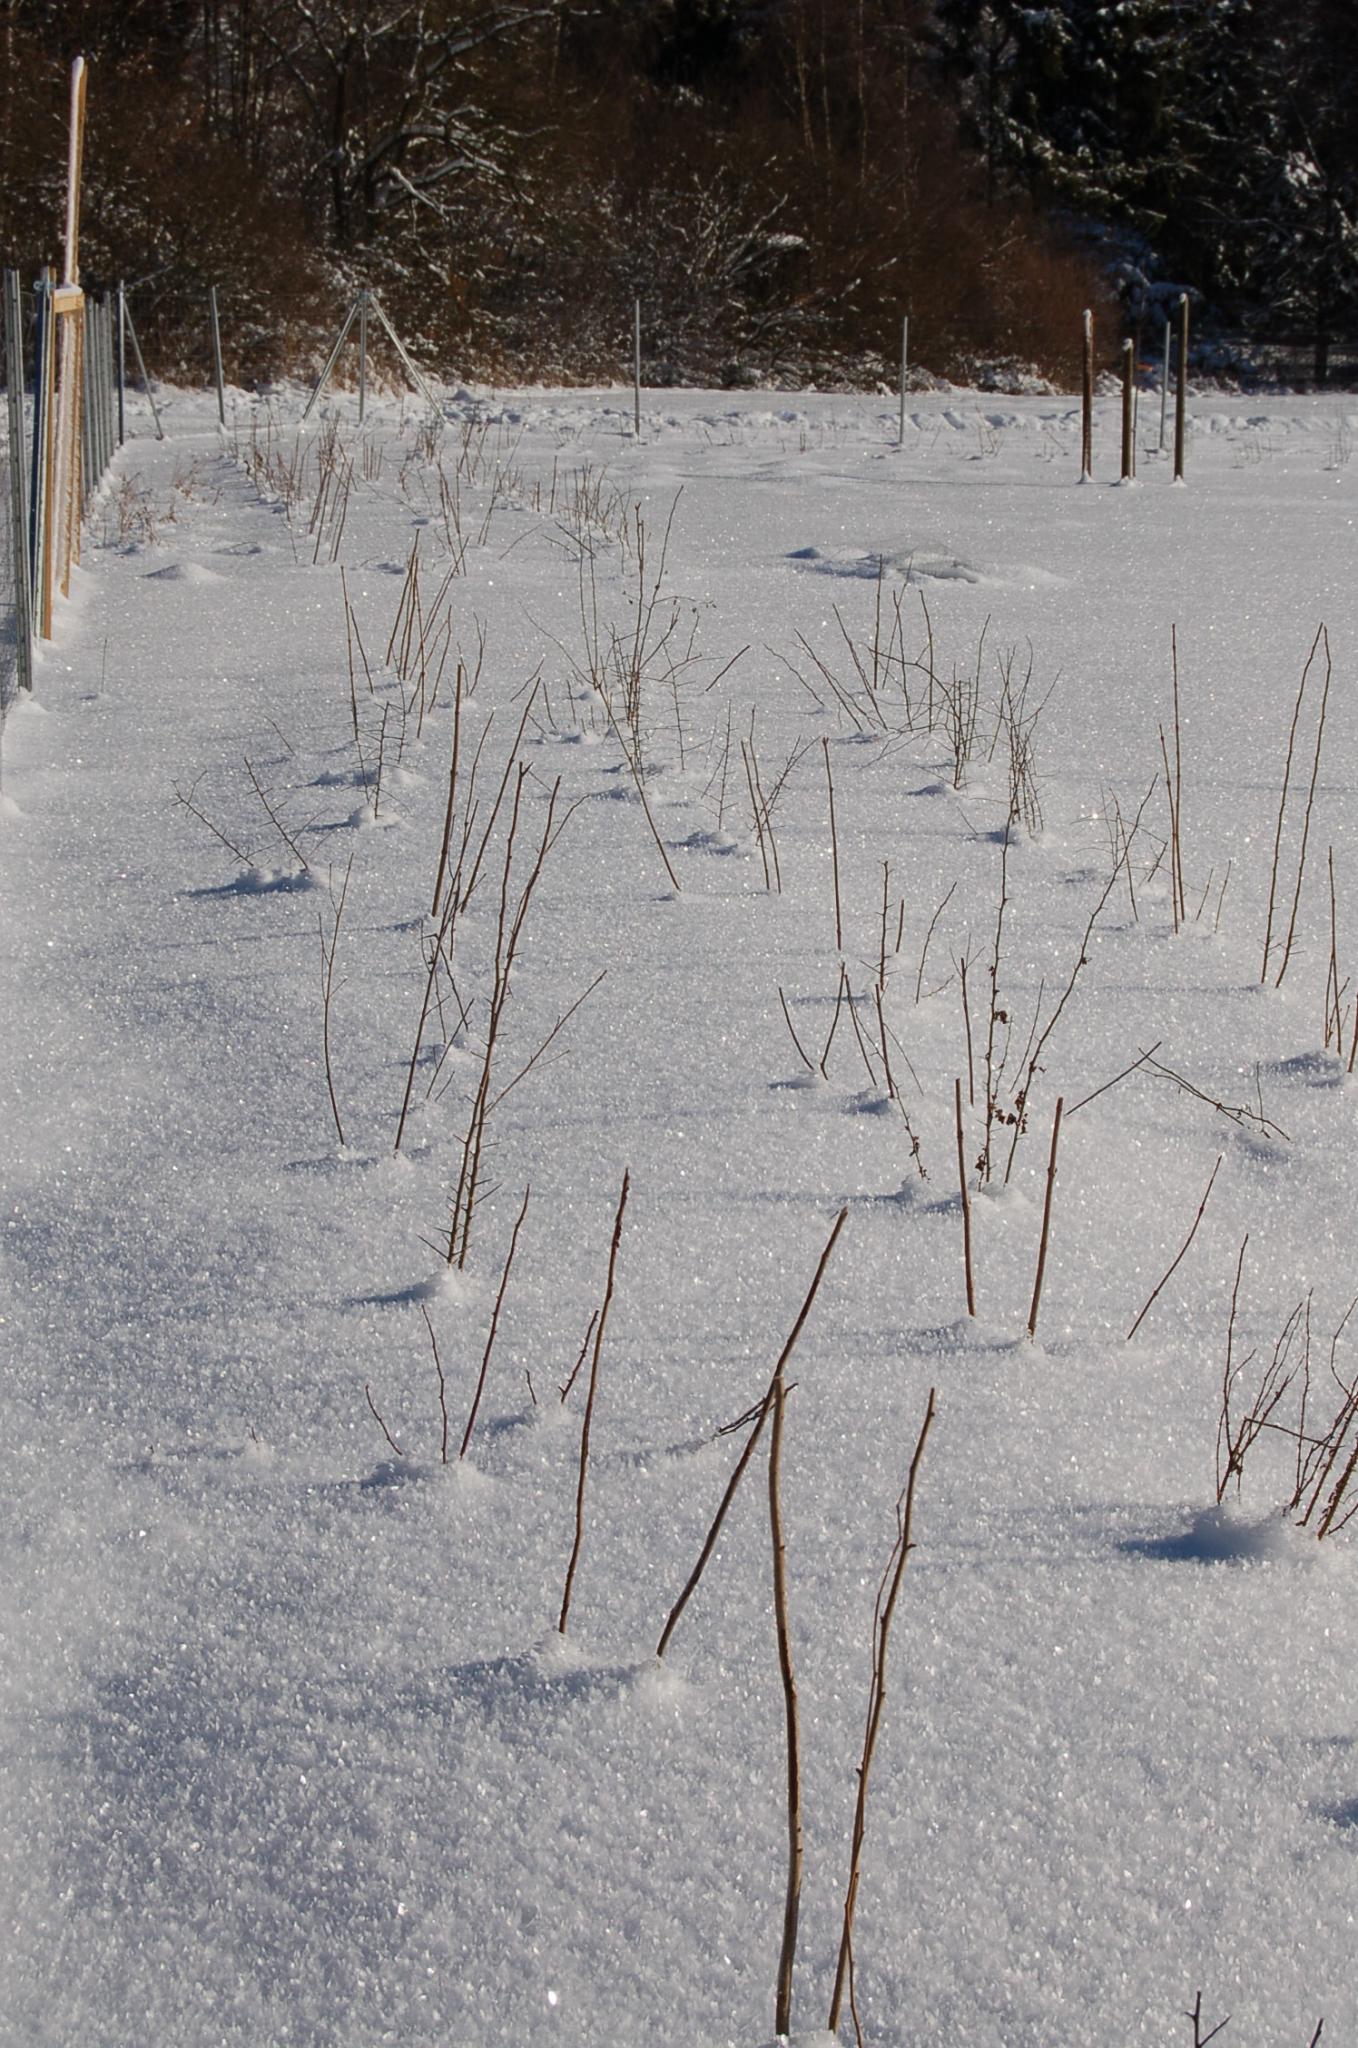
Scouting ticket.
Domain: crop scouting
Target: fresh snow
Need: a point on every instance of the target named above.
(293, 1750)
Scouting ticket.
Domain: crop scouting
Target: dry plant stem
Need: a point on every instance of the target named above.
(1140, 1060)
(864, 1049)
(883, 1613)
(882, 1036)
(562, 1021)
(508, 934)
(1200, 2039)
(1324, 639)
(761, 1414)
(443, 1386)
(280, 828)
(806, 1058)
(1181, 1254)
(834, 849)
(1239, 1438)
(368, 1397)
(928, 936)
(1225, 1442)
(436, 950)
(634, 768)
(1046, 1222)
(511, 762)
(966, 1026)
(584, 1352)
(494, 1325)
(1033, 1060)
(442, 873)
(1236, 1113)
(755, 813)
(586, 1425)
(834, 1023)
(1173, 835)
(238, 853)
(327, 993)
(1334, 1016)
(886, 904)
(793, 1892)
(991, 1075)
(766, 811)
(1316, 1464)
(966, 1201)
(1282, 805)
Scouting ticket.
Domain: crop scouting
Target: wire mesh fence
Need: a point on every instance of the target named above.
(57, 438)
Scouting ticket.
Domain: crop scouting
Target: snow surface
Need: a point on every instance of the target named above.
(292, 1748)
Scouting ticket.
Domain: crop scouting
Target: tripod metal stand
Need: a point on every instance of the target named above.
(365, 307)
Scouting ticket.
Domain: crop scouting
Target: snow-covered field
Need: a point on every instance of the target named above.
(294, 1749)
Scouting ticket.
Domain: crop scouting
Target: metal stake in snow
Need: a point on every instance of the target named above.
(18, 480)
(1164, 390)
(636, 366)
(1087, 407)
(367, 303)
(1181, 391)
(141, 369)
(217, 352)
(120, 363)
(905, 364)
(1128, 411)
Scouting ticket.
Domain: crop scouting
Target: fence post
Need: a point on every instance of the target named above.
(905, 364)
(40, 496)
(18, 482)
(1128, 411)
(141, 365)
(217, 353)
(88, 443)
(120, 352)
(636, 366)
(1181, 391)
(106, 377)
(1087, 404)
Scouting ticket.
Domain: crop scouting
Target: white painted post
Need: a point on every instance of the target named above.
(74, 159)
(362, 355)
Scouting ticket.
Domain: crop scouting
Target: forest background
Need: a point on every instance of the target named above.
(777, 180)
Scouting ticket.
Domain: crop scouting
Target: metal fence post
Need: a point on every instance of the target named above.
(40, 495)
(141, 365)
(217, 353)
(905, 371)
(636, 366)
(1181, 392)
(120, 352)
(18, 481)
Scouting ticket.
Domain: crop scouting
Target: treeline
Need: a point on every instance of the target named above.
(1213, 142)
(778, 180)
